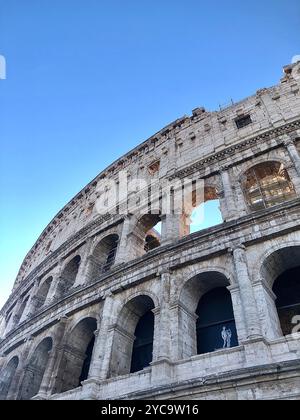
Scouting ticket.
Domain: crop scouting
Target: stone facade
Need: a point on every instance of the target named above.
(65, 297)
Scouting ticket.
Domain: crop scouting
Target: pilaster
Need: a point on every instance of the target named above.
(251, 315)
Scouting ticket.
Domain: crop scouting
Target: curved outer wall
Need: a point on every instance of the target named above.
(42, 311)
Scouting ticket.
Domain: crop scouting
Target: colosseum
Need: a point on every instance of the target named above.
(139, 305)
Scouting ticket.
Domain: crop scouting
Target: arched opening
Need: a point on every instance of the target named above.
(104, 255)
(20, 313)
(266, 185)
(78, 355)
(281, 274)
(35, 370)
(153, 238)
(7, 376)
(133, 337)
(42, 293)
(147, 233)
(215, 324)
(69, 275)
(206, 315)
(202, 210)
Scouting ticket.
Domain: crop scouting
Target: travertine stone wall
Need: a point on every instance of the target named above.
(246, 253)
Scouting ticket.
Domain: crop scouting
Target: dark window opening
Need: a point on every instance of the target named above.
(87, 362)
(287, 290)
(77, 260)
(151, 242)
(104, 255)
(111, 256)
(243, 121)
(215, 326)
(69, 274)
(112, 252)
(43, 293)
(143, 344)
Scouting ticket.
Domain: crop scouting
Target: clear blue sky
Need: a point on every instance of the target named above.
(87, 80)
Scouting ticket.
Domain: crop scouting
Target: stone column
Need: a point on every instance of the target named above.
(172, 228)
(163, 339)
(161, 363)
(239, 317)
(123, 251)
(293, 152)
(92, 269)
(250, 310)
(265, 297)
(156, 353)
(96, 334)
(228, 195)
(99, 367)
(176, 209)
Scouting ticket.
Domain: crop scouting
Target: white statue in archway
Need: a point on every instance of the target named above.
(226, 336)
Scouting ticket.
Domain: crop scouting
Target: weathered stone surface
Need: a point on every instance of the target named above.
(64, 295)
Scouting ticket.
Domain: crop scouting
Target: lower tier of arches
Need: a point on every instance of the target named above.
(198, 321)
